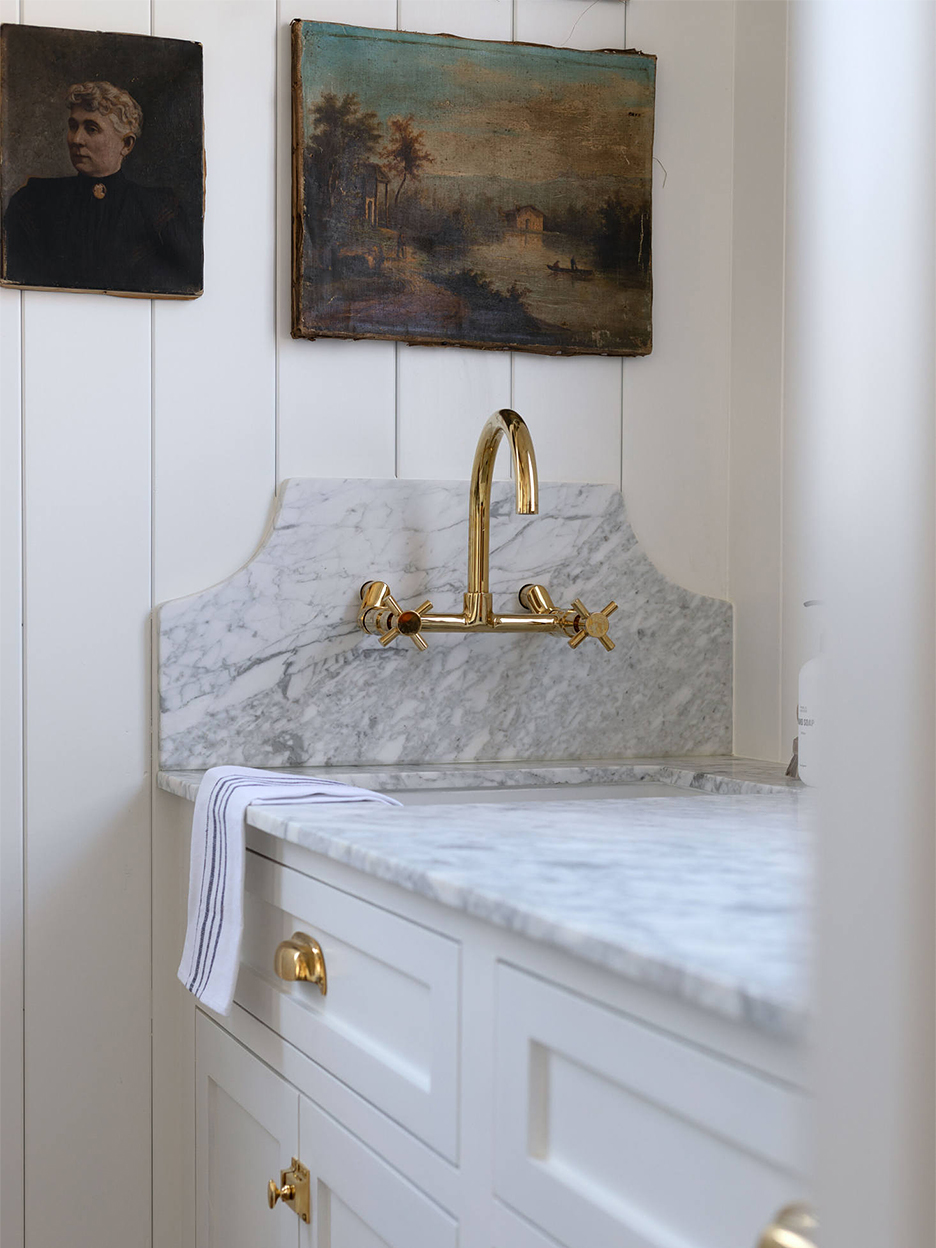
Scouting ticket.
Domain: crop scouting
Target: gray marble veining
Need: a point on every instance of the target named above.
(268, 668)
(706, 898)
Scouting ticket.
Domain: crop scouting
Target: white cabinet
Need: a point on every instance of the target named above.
(250, 1124)
(388, 1027)
(246, 1131)
(359, 1201)
(615, 1136)
(461, 1087)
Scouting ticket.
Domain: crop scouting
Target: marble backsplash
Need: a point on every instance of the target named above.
(269, 668)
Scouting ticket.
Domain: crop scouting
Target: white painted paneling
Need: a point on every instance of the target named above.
(11, 760)
(214, 368)
(574, 23)
(87, 507)
(173, 1032)
(472, 19)
(445, 394)
(337, 400)
(675, 463)
(756, 450)
(87, 525)
(12, 1212)
(573, 406)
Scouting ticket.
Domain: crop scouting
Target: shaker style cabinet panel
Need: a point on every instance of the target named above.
(388, 1026)
(246, 1133)
(513, 1232)
(610, 1134)
(358, 1200)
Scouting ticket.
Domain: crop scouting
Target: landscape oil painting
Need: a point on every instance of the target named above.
(455, 192)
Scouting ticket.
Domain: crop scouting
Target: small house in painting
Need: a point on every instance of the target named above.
(525, 218)
(375, 194)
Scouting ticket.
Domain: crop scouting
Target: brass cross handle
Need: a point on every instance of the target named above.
(406, 622)
(591, 624)
(793, 1227)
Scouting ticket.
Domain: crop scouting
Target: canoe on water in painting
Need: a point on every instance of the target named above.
(557, 268)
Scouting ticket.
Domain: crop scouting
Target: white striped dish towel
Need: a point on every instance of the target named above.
(211, 956)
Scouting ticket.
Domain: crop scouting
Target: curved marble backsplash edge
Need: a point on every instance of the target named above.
(268, 667)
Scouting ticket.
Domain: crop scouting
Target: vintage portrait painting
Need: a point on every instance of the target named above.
(457, 192)
(101, 162)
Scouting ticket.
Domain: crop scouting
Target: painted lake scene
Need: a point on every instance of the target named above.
(457, 192)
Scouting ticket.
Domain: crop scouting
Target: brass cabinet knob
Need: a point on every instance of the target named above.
(591, 624)
(793, 1227)
(295, 1191)
(301, 958)
(285, 1193)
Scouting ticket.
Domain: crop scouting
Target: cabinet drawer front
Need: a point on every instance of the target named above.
(388, 1027)
(613, 1135)
(358, 1201)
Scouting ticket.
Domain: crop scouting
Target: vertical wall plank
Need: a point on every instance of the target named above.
(573, 406)
(214, 365)
(87, 517)
(11, 760)
(11, 772)
(755, 562)
(675, 463)
(214, 373)
(337, 400)
(446, 394)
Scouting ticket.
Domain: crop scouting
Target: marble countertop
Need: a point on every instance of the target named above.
(702, 897)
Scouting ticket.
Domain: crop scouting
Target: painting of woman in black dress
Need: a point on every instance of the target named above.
(128, 218)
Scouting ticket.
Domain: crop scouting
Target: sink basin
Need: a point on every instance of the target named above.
(545, 793)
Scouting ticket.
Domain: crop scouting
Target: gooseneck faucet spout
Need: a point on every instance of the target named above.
(478, 605)
(382, 615)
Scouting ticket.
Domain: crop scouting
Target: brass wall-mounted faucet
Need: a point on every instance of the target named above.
(382, 615)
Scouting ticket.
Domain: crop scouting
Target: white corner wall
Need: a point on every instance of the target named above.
(157, 480)
(765, 694)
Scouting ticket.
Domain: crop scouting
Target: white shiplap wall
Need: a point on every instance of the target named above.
(139, 461)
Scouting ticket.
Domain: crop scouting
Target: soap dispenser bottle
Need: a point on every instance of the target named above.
(809, 713)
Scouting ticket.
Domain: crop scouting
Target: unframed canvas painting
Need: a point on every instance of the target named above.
(457, 192)
(101, 162)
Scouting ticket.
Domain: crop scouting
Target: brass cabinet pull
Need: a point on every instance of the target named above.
(285, 1193)
(789, 1229)
(295, 1190)
(301, 958)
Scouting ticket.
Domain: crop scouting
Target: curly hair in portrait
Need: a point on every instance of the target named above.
(124, 112)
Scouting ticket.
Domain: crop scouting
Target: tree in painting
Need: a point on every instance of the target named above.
(405, 152)
(342, 138)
